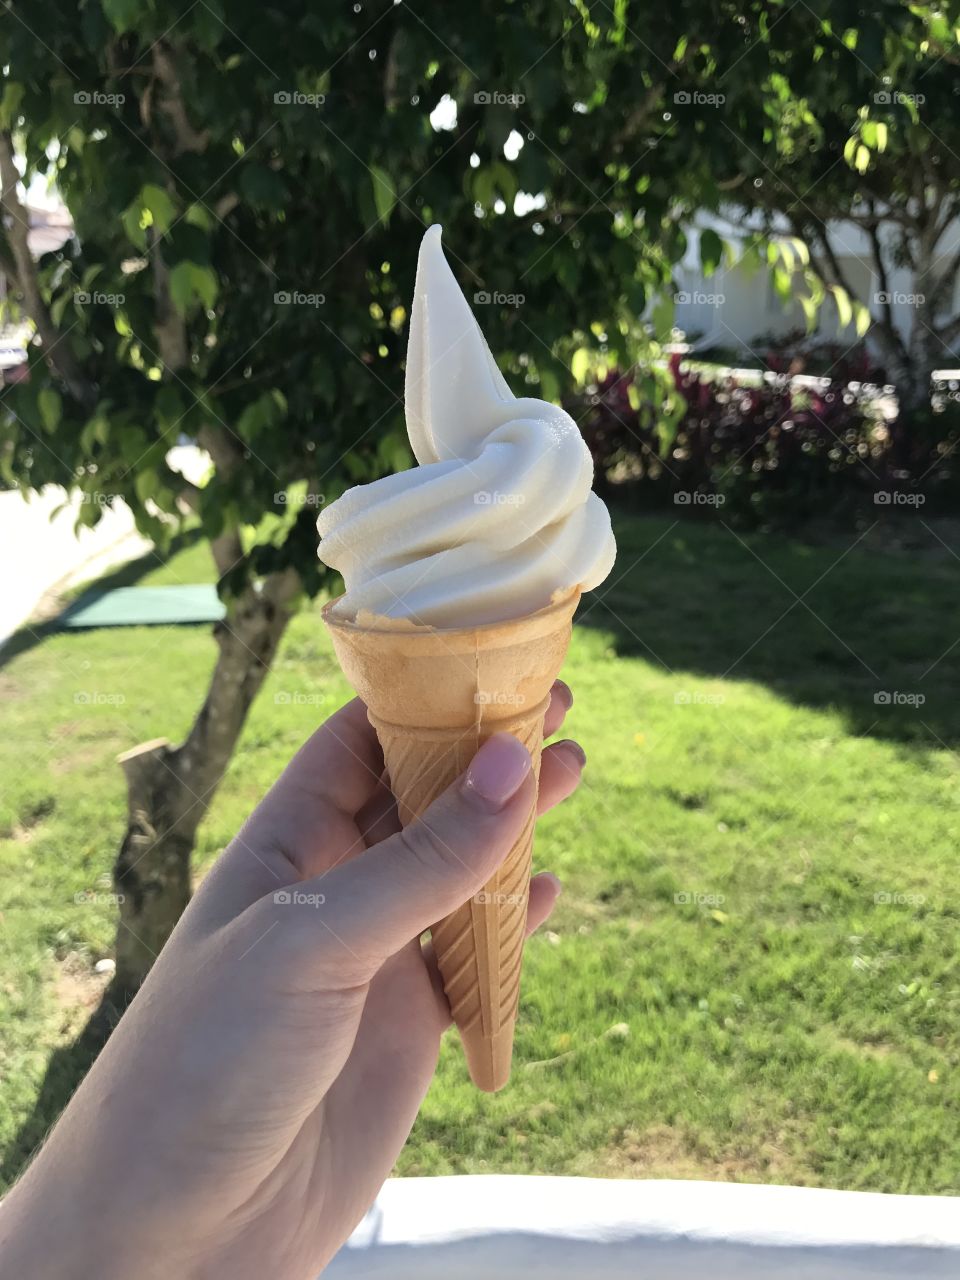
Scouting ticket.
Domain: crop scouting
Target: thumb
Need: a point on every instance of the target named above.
(375, 904)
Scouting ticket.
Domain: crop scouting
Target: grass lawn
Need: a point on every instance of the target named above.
(753, 972)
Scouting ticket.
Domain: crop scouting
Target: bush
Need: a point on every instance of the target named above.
(772, 453)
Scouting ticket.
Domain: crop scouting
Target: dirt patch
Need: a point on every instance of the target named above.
(665, 1152)
(77, 990)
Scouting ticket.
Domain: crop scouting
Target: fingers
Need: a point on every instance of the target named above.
(560, 769)
(561, 700)
(559, 775)
(343, 925)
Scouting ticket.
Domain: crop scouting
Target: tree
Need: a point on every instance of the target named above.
(836, 119)
(249, 191)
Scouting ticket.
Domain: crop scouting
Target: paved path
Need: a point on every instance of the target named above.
(40, 555)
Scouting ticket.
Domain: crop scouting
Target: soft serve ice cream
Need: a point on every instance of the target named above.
(498, 518)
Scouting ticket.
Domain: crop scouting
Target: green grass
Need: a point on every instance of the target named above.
(724, 992)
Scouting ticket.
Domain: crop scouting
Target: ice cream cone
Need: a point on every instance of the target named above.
(434, 695)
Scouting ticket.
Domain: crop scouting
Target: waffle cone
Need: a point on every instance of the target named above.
(434, 695)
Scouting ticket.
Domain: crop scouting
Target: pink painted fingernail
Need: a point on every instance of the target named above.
(497, 771)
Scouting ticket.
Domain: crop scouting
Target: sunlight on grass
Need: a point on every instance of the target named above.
(752, 971)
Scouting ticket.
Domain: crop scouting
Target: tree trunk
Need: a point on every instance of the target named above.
(169, 789)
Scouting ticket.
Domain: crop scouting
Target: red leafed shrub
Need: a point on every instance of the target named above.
(771, 453)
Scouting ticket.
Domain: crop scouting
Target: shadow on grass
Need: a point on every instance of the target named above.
(865, 620)
(65, 1070)
(125, 575)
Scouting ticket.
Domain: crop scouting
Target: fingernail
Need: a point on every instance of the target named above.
(575, 747)
(565, 692)
(554, 880)
(497, 771)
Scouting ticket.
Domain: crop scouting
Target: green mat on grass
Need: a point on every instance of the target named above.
(144, 607)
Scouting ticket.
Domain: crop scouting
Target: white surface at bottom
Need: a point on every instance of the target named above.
(477, 1228)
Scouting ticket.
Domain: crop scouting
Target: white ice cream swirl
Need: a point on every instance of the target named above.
(498, 517)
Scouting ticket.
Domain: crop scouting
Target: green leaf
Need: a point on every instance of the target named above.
(191, 283)
(580, 365)
(10, 103)
(711, 251)
(261, 187)
(844, 307)
(384, 193)
(50, 404)
(131, 224)
(662, 318)
(162, 209)
(123, 14)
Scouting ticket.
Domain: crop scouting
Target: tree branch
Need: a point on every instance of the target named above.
(876, 252)
(57, 353)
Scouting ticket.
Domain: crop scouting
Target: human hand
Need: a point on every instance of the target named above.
(257, 1092)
